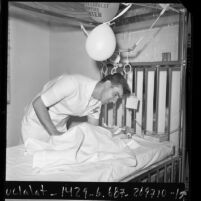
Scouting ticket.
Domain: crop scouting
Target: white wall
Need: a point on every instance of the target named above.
(68, 54)
(29, 70)
(153, 44)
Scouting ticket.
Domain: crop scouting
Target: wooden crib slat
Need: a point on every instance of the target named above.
(135, 91)
(156, 92)
(124, 109)
(168, 101)
(175, 103)
(114, 114)
(162, 99)
(106, 114)
(123, 124)
(119, 114)
(150, 100)
(129, 112)
(140, 97)
(144, 100)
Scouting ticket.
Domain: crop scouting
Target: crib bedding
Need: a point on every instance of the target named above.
(19, 165)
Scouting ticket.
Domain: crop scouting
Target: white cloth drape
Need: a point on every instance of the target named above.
(81, 144)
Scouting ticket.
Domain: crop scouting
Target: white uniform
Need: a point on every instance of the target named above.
(67, 95)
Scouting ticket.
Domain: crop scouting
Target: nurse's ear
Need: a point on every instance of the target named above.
(107, 84)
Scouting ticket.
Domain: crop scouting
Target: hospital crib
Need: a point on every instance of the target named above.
(160, 113)
(159, 87)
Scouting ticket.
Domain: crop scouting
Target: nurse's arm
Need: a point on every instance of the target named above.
(43, 115)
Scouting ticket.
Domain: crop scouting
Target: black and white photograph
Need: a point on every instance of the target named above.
(125, 110)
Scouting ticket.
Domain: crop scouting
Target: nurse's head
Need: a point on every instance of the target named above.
(113, 87)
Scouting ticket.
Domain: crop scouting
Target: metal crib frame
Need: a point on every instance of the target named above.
(170, 169)
(162, 172)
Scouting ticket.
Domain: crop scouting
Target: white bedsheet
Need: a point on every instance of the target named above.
(80, 145)
(142, 153)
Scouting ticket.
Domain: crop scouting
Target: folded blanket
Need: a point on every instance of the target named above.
(84, 143)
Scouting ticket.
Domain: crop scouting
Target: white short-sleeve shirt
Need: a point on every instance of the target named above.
(66, 95)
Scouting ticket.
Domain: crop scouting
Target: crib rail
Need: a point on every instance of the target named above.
(158, 89)
(161, 172)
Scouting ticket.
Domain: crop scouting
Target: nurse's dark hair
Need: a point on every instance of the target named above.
(118, 79)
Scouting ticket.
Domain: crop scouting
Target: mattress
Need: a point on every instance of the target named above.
(19, 165)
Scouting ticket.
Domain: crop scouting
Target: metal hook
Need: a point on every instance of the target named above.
(104, 72)
(118, 58)
(116, 63)
(127, 65)
(114, 69)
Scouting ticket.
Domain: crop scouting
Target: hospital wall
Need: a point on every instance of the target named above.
(28, 71)
(68, 54)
